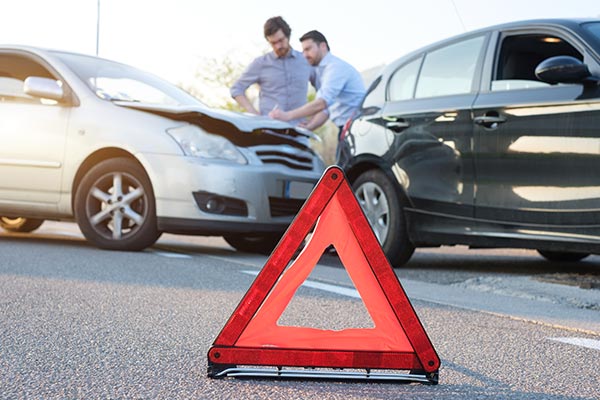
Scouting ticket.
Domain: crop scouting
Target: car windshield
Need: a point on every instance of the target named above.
(113, 81)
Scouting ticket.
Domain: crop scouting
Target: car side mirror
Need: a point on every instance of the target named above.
(43, 87)
(562, 69)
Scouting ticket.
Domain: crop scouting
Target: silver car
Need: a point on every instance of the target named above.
(129, 156)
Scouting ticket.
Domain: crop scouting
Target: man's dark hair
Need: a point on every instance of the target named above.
(316, 36)
(276, 23)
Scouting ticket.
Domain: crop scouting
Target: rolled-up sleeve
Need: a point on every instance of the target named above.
(332, 83)
(250, 76)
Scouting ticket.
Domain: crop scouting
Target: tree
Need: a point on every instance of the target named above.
(212, 80)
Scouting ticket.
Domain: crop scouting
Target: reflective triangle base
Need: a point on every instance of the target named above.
(311, 373)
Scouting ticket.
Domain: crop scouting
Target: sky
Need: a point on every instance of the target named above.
(172, 38)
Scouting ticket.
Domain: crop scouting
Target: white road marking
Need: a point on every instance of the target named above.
(69, 234)
(171, 255)
(344, 291)
(589, 343)
(238, 261)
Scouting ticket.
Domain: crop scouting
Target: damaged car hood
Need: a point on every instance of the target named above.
(242, 129)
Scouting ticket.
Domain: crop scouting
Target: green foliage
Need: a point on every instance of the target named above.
(212, 80)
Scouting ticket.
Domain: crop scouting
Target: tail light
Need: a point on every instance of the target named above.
(345, 130)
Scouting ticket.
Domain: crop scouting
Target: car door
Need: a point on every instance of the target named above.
(428, 121)
(537, 145)
(33, 134)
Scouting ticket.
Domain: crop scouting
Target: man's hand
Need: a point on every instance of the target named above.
(276, 113)
(317, 106)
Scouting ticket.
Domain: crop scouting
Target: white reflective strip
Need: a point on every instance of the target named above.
(589, 343)
(171, 255)
(344, 291)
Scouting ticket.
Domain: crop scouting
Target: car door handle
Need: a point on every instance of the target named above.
(397, 126)
(489, 121)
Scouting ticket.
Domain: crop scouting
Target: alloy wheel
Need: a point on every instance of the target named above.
(375, 205)
(116, 205)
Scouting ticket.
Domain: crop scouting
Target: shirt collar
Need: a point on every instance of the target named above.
(326, 60)
(292, 54)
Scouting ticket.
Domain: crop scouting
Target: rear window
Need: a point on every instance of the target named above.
(402, 83)
(450, 70)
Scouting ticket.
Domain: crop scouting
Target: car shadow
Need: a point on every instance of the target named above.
(457, 264)
(437, 265)
(525, 262)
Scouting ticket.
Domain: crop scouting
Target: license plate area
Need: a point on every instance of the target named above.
(296, 189)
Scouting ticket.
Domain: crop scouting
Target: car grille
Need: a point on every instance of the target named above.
(290, 157)
(281, 207)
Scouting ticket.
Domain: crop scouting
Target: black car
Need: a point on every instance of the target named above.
(487, 139)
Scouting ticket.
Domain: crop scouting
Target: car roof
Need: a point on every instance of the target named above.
(46, 51)
(26, 48)
(573, 24)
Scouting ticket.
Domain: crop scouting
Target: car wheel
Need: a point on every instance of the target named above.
(383, 208)
(20, 224)
(114, 206)
(262, 244)
(562, 255)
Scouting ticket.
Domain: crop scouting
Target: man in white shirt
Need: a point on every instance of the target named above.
(340, 88)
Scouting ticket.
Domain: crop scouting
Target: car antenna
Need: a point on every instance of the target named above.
(458, 15)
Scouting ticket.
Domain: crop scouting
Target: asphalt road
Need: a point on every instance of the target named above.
(82, 323)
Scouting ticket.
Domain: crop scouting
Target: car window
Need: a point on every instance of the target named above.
(519, 55)
(402, 82)
(14, 70)
(450, 70)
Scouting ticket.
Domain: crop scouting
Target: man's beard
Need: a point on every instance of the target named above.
(282, 52)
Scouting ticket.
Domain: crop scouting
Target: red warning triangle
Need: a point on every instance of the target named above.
(252, 335)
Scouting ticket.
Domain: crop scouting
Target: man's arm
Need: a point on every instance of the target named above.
(243, 101)
(311, 108)
(238, 90)
(316, 121)
(332, 82)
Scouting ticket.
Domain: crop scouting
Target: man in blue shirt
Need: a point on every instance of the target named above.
(340, 88)
(283, 74)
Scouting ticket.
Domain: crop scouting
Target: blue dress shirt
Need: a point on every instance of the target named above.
(340, 85)
(283, 81)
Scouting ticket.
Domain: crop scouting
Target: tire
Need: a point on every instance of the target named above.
(563, 256)
(383, 208)
(261, 244)
(20, 224)
(115, 207)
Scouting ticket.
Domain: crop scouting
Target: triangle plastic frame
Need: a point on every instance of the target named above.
(232, 348)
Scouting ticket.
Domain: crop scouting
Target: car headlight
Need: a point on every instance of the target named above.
(197, 143)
